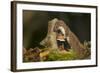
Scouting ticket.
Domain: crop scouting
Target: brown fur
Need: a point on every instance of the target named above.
(72, 39)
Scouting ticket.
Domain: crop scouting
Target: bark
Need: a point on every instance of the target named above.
(50, 40)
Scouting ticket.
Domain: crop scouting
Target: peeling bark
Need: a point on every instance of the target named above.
(50, 40)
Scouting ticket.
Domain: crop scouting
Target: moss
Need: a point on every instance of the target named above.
(56, 55)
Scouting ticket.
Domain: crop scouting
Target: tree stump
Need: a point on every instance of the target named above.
(50, 40)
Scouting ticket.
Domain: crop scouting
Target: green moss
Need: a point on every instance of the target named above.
(56, 55)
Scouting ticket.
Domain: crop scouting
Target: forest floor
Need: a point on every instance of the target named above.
(48, 54)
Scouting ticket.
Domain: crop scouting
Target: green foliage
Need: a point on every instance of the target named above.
(56, 55)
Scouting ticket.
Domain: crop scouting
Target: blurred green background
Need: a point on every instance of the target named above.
(35, 25)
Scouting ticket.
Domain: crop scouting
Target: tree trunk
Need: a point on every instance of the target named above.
(50, 40)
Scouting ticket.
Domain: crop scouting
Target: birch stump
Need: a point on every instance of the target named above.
(50, 40)
(74, 42)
